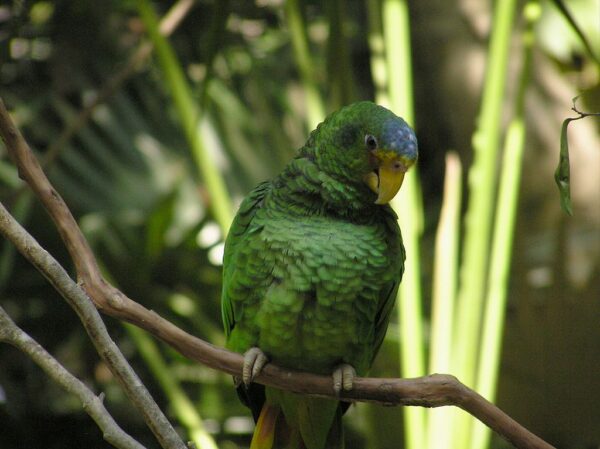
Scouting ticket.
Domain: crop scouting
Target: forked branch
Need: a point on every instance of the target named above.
(13, 335)
(73, 294)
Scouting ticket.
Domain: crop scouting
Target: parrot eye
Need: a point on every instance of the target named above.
(371, 142)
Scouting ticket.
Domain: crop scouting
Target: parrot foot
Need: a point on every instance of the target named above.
(343, 377)
(254, 361)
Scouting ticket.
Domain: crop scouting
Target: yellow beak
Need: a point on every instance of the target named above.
(387, 180)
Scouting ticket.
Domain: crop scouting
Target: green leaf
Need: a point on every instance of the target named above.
(562, 175)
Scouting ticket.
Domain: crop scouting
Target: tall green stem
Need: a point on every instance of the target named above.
(314, 102)
(493, 321)
(482, 181)
(445, 277)
(377, 53)
(190, 116)
(396, 30)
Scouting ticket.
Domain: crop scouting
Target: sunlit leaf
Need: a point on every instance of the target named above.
(562, 7)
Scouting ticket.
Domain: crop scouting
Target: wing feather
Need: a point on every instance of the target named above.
(239, 228)
(389, 292)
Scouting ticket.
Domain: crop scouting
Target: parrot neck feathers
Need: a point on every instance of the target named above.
(303, 185)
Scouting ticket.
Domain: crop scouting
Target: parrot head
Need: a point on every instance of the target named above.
(366, 144)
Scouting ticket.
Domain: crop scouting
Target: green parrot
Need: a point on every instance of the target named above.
(311, 269)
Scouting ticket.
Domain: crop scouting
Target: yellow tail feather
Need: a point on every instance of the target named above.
(264, 433)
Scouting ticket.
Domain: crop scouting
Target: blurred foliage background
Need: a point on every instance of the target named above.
(222, 105)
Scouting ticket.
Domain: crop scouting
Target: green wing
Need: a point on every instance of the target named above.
(386, 305)
(389, 292)
(240, 226)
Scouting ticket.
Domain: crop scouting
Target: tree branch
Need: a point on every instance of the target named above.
(94, 326)
(10, 333)
(430, 391)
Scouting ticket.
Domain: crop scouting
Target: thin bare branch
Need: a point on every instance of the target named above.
(94, 326)
(430, 391)
(13, 335)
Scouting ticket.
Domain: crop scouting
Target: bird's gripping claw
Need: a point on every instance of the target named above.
(254, 361)
(343, 378)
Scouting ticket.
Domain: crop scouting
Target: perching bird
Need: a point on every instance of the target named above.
(312, 265)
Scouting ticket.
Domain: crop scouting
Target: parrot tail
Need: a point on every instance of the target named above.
(264, 433)
(273, 431)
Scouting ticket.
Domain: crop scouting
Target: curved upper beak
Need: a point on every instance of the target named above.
(388, 175)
